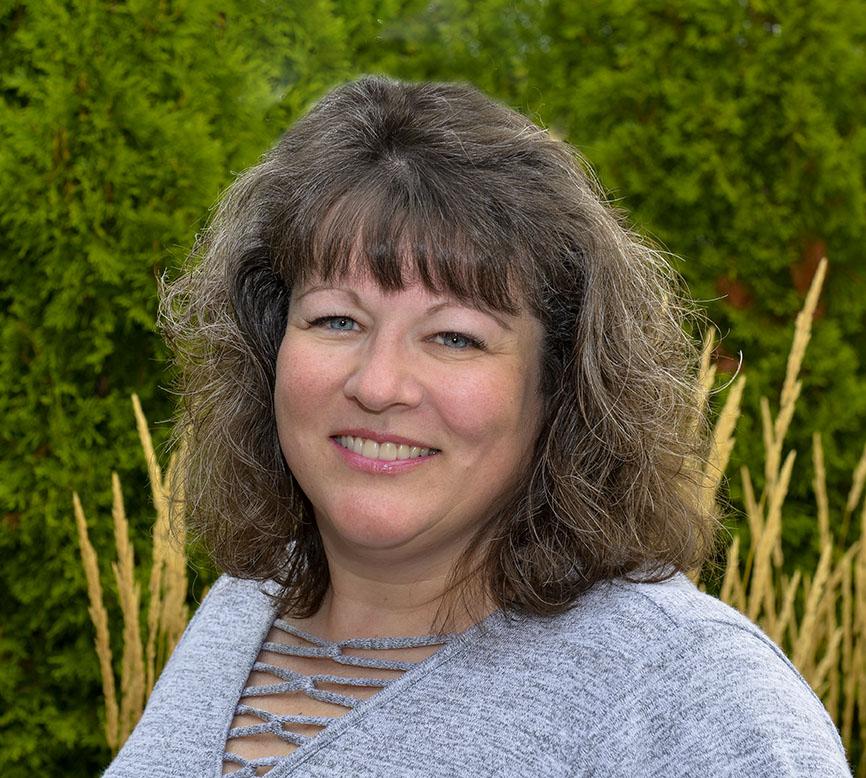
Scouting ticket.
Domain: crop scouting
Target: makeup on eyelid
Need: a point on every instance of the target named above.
(356, 300)
(473, 341)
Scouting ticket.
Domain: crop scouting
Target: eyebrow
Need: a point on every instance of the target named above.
(432, 309)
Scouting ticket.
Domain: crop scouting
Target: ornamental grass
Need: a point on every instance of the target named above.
(827, 642)
(167, 612)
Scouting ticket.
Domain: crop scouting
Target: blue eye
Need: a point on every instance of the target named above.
(455, 341)
(450, 337)
(325, 319)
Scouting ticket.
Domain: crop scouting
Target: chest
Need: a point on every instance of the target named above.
(300, 685)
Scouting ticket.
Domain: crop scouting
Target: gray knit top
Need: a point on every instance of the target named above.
(637, 679)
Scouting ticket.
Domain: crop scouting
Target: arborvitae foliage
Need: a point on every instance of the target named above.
(119, 125)
(733, 133)
(730, 131)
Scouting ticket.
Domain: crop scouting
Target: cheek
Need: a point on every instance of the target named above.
(300, 384)
(489, 409)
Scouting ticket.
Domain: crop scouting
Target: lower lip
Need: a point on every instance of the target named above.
(367, 465)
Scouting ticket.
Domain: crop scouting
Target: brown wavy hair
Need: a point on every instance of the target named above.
(482, 203)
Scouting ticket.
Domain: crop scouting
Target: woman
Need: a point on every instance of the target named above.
(444, 443)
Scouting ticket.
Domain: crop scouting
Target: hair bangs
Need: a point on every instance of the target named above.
(398, 238)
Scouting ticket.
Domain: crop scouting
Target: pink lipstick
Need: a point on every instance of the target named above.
(378, 466)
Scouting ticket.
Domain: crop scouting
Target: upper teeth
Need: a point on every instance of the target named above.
(385, 451)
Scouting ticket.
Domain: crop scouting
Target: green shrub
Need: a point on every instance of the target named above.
(730, 132)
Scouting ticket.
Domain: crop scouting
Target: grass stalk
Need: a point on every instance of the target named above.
(99, 617)
(132, 665)
(804, 652)
(790, 589)
(854, 494)
(761, 594)
(167, 611)
(828, 641)
(819, 484)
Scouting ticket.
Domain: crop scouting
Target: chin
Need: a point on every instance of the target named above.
(377, 530)
(376, 535)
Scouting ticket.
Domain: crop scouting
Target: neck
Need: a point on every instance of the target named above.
(384, 598)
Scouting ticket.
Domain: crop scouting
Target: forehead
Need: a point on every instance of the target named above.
(374, 240)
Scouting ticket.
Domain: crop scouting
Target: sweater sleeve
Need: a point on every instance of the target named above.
(723, 700)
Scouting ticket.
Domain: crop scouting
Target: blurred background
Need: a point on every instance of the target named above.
(731, 132)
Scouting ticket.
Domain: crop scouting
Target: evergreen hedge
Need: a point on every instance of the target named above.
(730, 132)
(119, 125)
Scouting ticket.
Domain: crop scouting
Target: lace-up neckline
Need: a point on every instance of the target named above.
(287, 702)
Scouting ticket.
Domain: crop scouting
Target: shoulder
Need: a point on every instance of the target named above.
(633, 620)
(661, 608)
(230, 606)
(232, 609)
(683, 678)
(645, 618)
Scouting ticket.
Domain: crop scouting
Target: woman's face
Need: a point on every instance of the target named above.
(399, 365)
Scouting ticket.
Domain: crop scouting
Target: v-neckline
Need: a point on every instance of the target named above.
(455, 643)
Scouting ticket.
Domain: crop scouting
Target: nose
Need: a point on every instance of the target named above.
(383, 374)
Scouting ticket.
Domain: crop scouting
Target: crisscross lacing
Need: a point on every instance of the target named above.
(296, 688)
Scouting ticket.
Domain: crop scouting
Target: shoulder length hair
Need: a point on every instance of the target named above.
(481, 203)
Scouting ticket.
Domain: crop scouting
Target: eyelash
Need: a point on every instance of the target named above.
(473, 342)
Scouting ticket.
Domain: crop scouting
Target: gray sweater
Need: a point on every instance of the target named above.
(637, 680)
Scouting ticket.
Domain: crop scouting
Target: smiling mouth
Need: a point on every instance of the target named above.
(383, 452)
